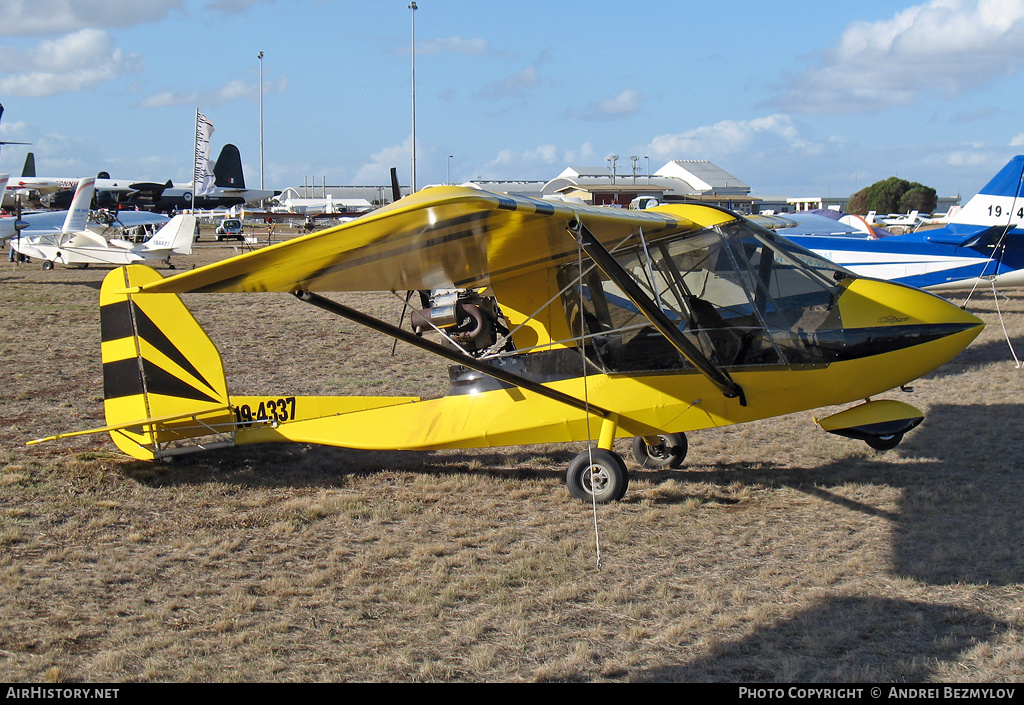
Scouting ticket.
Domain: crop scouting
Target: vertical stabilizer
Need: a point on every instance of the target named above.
(228, 169)
(177, 235)
(78, 215)
(1000, 202)
(159, 368)
(29, 170)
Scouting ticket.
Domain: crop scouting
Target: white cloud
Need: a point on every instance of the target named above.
(78, 61)
(1018, 140)
(41, 17)
(626, 103)
(945, 47)
(232, 90)
(378, 171)
(540, 162)
(773, 133)
(453, 45)
(513, 85)
(518, 83)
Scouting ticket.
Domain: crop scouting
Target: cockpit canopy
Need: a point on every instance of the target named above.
(741, 294)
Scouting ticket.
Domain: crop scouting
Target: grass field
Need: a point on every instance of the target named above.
(777, 553)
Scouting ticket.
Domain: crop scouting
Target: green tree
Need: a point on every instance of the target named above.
(919, 198)
(893, 195)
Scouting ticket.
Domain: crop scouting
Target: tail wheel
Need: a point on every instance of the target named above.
(47, 264)
(670, 452)
(597, 475)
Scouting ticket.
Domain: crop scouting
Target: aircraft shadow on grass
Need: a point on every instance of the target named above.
(958, 519)
(845, 640)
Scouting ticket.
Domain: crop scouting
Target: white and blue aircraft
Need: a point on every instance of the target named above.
(75, 243)
(981, 244)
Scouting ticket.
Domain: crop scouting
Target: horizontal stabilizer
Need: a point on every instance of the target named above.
(137, 427)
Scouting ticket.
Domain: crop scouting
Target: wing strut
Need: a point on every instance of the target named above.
(453, 355)
(607, 264)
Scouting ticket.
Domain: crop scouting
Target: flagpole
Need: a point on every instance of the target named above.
(195, 156)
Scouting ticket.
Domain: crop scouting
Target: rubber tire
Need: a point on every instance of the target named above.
(669, 454)
(885, 442)
(604, 466)
(47, 265)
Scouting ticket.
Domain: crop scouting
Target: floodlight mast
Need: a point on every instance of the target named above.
(413, 8)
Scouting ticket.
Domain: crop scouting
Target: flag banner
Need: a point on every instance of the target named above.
(202, 176)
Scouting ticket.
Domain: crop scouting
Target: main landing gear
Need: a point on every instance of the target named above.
(597, 475)
(600, 475)
(662, 452)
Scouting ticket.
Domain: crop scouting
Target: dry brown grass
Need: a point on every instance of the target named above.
(779, 553)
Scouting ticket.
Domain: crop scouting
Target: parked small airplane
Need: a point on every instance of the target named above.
(982, 243)
(76, 244)
(51, 223)
(565, 323)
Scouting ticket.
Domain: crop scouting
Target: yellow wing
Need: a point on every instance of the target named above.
(446, 237)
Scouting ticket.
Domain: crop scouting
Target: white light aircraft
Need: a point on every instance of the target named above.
(76, 244)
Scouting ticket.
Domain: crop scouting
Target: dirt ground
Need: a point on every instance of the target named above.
(777, 553)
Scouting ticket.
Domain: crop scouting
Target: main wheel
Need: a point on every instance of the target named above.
(669, 453)
(884, 442)
(47, 264)
(599, 475)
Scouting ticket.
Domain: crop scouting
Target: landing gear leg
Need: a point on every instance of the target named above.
(599, 474)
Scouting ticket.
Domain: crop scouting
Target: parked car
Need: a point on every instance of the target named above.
(230, 228)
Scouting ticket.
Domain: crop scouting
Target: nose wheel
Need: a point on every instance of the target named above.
(597, 475)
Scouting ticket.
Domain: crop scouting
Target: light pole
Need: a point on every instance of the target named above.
(613, 158)
(260, 57)
(413, 8)
(648, 170)
(633, 159)
(450, 169)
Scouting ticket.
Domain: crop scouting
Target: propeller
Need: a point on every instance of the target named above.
(396, 195)
(19, 225)
(396, 191)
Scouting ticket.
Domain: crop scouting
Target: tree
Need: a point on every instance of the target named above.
(893, 195)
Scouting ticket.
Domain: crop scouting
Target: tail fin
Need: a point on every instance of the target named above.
(228, 169)
(163, 379)
(78, 214)
(1000, 202)
(30, 165)
(176, 235)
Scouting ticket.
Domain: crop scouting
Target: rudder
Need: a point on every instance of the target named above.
(160, 368)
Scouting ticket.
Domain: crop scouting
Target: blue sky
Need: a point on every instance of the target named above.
(798, 98)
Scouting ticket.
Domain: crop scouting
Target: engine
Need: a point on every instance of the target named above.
(464, 317)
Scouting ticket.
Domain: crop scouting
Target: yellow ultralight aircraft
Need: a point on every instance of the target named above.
(563, 322)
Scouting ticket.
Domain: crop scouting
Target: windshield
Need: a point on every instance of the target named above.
(741, 294)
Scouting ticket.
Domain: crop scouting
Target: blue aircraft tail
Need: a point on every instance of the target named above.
(1000, 203)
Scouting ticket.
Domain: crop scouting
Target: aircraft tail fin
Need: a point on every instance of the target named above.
(1000, 202)
(78, 214)
(163, 379)
(227, 171)
(177, 235)
(30, 165)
